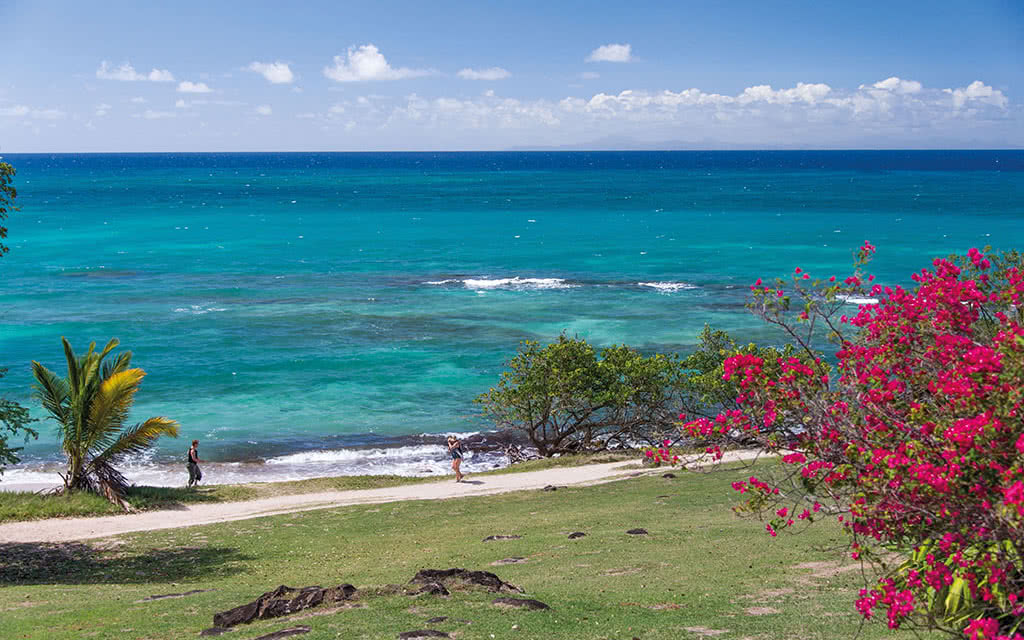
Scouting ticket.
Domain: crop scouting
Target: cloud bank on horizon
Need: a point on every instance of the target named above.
(350, 112)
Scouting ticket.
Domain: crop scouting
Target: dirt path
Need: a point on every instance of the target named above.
(68, 529)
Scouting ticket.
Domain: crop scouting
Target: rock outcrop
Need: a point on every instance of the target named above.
(282, 601)
(462, 577)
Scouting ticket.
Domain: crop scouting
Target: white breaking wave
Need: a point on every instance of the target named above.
(409, 461)
(445, 434)
(198, 309)
(347, 455)
(515, 283)
(668, 287)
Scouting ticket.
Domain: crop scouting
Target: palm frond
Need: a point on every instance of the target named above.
(52, 392)
(107, 349)
(110, 405)
(73, 365)
(120, 363)
(136, 439)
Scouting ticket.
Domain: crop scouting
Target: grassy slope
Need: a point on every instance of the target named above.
(701, 568)
(31, 506)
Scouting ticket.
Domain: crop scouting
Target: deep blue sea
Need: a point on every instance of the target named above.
(310, 313)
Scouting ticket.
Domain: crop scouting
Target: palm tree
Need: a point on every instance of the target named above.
(90, 407)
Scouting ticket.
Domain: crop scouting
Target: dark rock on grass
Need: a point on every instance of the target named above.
(422, 634)
(668, 475)
(493, 538)
(214, 631)
(637, 532)
(284, 633)
(512, 560)
(550, 487)
(174, 595)
(520, 603)
(437, 619)
(282, 601)
(462, 577)
(576, 534)
(434, 589)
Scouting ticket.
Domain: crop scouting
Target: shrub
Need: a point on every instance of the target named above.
(914, 441)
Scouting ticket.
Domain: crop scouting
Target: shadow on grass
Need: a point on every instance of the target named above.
(79, 563)
(168, 497)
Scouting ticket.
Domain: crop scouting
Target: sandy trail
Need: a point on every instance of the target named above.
(70, 529)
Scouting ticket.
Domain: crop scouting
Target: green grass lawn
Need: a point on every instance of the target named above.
(702, 572)
(24, 505)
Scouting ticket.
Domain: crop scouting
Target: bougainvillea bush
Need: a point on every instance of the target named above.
(911, 436)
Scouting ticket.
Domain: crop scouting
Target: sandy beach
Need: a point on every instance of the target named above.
(69, 529)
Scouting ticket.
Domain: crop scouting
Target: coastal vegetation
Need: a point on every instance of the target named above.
(90, 407)
(566, 397)
(14, 421)
(8, 193)
(700, 570)
(911, 440)
(14, 418)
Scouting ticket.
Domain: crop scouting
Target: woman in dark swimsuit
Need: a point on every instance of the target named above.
(455, 448)
(194, 473)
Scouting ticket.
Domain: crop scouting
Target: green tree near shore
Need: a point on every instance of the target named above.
(566, 399)
(7, 195)
(90, 407)
(14, 419)
(13, 416)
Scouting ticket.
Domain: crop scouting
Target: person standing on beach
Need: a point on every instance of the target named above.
(195, 474)
(455, 449)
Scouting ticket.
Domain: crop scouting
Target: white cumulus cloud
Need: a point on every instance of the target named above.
(898, 85)
(493, 73)
(980, 92)
(102, 110)
(127, 73)
(611, 53)
(802, 92)
(274, 72)
(193, 87)
(368, 63)
(264, 110)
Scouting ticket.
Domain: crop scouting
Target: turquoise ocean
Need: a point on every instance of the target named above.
(308, 314)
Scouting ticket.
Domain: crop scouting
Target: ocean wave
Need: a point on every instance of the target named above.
(668, 287)
(514, 284)
(198, 309)
(347, 455)
(445, 434)
(409, 461)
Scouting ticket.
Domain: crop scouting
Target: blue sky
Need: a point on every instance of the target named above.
(347, 76)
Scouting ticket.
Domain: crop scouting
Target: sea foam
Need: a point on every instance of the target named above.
(515, 284)
(668, 287)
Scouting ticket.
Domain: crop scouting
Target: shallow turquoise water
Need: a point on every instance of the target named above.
(288, 303)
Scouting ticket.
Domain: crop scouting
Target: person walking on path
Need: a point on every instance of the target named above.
(195, 474)
(455, 449)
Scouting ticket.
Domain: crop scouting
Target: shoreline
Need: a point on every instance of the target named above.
(56, 530)
(410, 456)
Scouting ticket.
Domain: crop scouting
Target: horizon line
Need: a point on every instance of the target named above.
(529, 150)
